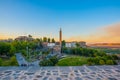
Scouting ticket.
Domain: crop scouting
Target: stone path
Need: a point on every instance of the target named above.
(61, 73)
(21, 60)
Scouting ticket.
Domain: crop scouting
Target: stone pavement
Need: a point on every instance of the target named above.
(61, 73)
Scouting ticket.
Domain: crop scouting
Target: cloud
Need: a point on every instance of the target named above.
(109, 34)
(113, 30)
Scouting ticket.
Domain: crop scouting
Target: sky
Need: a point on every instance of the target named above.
(80, 20)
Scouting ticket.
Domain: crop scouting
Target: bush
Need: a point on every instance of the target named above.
(109, 62)
(72, 61)
(24, 53)
(13, 61)
(9, 62)
(0, 61)
(101, 62)
(49, 62)
(115, 57)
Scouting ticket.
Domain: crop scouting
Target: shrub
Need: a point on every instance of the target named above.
(109, 62)
(0, 61)
(101, 62)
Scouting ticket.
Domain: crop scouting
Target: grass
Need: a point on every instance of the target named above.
(9, 62)
(72, 61)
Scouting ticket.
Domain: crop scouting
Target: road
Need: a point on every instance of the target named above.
(21, 61)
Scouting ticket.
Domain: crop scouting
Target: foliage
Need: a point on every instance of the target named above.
(4, 48)
(83, 52)
(63, 43)
(8, 62)
(24, 53)
(101, 62)
(49, 62)
(72, 61)
(49, 40)
(30, 36)
(53, 41)
(109, 50)
(77, 45)
(1, 61)
(44, 39)
(12, 50)
(109, 62)
(13, 61)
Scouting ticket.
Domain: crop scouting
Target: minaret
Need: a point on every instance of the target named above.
(60, 34)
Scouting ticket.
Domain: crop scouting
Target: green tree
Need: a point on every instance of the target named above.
(30, 36)
(24, 52)
(44, 39)
(101, 62)
(13, 61)
(4, 48)
(37, 40)
(53, 41)
(115, 57)
(49, 40)
(12, 50)
(77, 44)
(41, 40)
(63, 43)
(1, 61)
(109, 62)
(54, 60)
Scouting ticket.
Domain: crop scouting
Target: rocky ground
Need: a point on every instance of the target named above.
(61, 73)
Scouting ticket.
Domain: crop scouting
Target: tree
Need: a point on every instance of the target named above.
(77, 44)
(115, 57)
(101, 62)
(44, 39)
(49, 40)
(40, 39)
(37, 40)
(13, 61)
(4, 48)
(30, 36)
(0, 61)
(12, 50)
(53, 41)
(109, 62)
(63, 43)
(54, 60)
(49, 62)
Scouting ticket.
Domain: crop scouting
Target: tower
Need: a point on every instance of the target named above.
(60, 35)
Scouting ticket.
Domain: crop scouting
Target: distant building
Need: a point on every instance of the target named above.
(57, 48)
(51, 45)
(6, 40)
(45, 44)
(82, 44)
(70, 44)
(57, 43)
(73, 44)
(23, 38)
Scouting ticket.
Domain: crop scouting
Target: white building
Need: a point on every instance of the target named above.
(70, 44)
(51, 45)
(73, 44)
